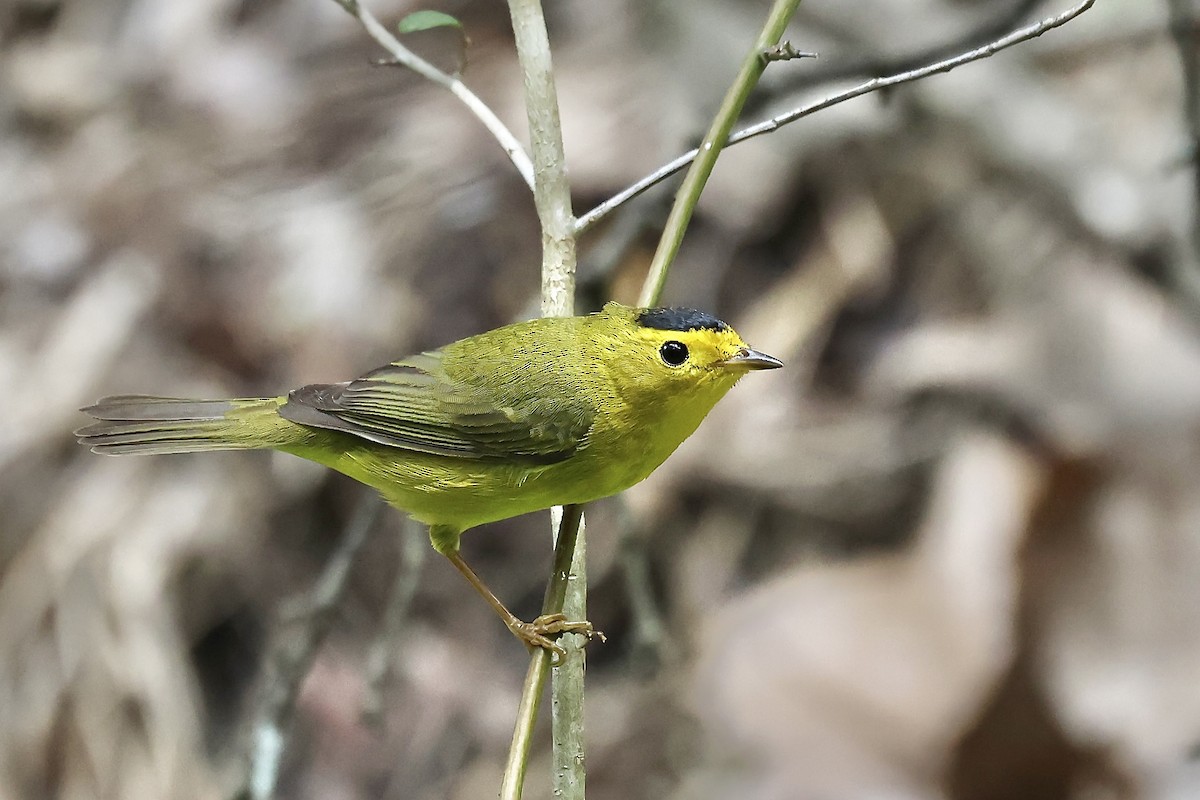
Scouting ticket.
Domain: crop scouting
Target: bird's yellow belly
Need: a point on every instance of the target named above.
(462, 493)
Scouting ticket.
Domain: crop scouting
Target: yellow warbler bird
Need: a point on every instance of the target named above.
(548, 412)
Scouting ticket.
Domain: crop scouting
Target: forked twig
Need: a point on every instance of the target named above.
(511, 145)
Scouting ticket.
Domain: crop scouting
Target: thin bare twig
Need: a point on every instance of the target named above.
(1185, 28)
(632, 225)
(305, 624)
(874, 64)
(454, 85)
(1024, 34)
(649, 633)
(381, 657)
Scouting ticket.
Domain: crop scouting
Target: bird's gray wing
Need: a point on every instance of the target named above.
(414, 405)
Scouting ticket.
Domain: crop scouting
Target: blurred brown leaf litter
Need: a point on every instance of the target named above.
(950, 552)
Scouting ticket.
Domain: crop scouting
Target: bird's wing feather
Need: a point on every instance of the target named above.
(415, 405)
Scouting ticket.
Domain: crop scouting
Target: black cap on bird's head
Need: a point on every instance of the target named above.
(679, 319)
(680, 333)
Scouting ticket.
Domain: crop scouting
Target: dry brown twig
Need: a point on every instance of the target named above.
(1184, 30)
(380, 658)
(305, 624)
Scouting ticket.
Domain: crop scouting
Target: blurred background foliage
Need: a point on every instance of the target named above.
(950, 552)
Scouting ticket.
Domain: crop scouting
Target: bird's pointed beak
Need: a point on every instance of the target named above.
(751, 359)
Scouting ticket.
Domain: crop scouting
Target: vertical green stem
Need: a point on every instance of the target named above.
(718, 133)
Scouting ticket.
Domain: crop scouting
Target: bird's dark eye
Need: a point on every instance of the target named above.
(673, 353)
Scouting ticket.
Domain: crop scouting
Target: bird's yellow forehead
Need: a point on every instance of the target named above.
(704, 344)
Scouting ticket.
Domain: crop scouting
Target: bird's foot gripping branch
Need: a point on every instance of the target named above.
(539, 632)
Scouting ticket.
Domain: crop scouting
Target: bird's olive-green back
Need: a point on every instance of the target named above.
(522, 393)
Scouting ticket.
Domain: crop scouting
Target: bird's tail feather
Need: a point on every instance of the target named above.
(139, 424)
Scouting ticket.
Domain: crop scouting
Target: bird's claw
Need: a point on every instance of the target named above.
(539, 632)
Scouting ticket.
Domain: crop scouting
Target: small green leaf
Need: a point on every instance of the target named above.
(424, 20)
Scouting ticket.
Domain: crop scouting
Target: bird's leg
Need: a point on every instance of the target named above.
(533, 634)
